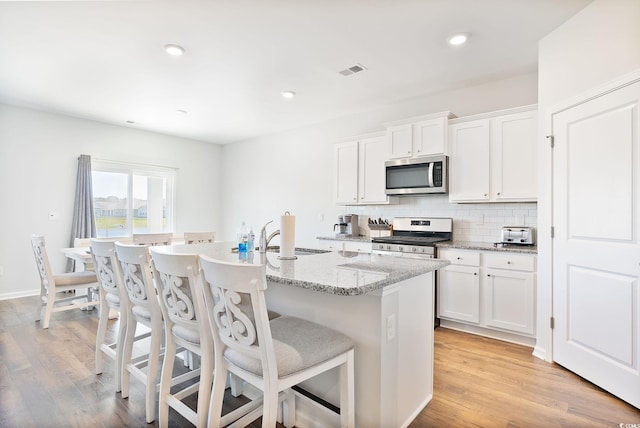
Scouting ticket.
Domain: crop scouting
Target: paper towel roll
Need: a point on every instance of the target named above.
(287, 236)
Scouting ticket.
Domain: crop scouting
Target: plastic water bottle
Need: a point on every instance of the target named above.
(243, 237)
(251, 240)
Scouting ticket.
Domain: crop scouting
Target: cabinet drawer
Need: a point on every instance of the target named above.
(460, 257)
(327, 244)
(359, 246)
(510, 261)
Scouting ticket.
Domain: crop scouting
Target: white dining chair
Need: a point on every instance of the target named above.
(186, 325)
(199, 237)
(52, 285)
(112, 298)
(152, 239)
(272, 355)
(142, 308)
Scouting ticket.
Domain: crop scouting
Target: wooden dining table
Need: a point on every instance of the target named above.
(81, 255)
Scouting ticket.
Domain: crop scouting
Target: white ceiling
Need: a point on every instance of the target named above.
(104, 60)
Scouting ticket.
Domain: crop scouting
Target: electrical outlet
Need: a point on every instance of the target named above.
(391, 327)
(1, 270)
(321, 217)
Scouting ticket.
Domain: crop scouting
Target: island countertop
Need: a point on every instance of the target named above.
(342, 273)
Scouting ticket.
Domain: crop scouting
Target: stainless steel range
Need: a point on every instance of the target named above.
(414, 236)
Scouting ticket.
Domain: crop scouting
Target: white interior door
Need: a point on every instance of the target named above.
(596, 251)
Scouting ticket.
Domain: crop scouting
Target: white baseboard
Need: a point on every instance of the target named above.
(540, 352)
(417, 412)
(486, 332)
(16, 295)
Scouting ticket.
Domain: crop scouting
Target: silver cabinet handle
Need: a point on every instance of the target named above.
(485, 195)
(508, 262)
(498, 193)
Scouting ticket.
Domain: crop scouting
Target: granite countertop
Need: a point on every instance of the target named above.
(345, 238)
(344, 273)
(464, 245)
(487, 246)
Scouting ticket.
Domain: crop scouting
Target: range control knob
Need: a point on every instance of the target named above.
(399, 248)
(414, 249)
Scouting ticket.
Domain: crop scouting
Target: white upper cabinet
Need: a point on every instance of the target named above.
(514, 155)
(345, 156)
(401, 140)
(372, 154)
(493, 157)
(359, 174)
(469, 161)
(419, 136)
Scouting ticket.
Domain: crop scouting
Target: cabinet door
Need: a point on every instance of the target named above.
(346, 173)
(509, 300)
(459, 293)
(373, 152)
(400, 140)
(514, 154)
(469, 161)
(430, 137)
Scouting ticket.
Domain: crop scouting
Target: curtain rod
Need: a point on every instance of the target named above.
(133, 163)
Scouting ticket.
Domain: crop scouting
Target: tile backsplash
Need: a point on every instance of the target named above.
(471, 222)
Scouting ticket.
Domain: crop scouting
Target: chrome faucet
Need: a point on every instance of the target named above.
(264, 240)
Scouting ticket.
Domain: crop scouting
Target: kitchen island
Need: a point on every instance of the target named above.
(384, 303)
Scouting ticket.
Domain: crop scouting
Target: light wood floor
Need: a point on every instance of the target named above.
(47, 380)
(481, 382)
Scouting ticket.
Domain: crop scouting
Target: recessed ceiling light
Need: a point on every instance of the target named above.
(458, 39)
(182, 111)
(288, 94)
(130, 122)
(175, 50)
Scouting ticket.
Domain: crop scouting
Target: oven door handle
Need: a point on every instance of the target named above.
(403, 254)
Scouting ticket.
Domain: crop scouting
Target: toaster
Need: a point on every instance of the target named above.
(520, 235)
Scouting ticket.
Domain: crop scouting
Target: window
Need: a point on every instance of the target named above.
(132, 198)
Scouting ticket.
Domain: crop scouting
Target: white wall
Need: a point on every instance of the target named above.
(293, 171)
(38, 164)
(597, 45)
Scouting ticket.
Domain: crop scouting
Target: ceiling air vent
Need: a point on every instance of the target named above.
(353, 70)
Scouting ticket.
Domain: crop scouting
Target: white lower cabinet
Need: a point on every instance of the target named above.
(489, 290)
(459, 297)
(509, 300)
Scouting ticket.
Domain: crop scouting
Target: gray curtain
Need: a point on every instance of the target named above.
(84, 223)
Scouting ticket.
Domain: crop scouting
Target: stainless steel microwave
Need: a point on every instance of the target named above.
(417, 176)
